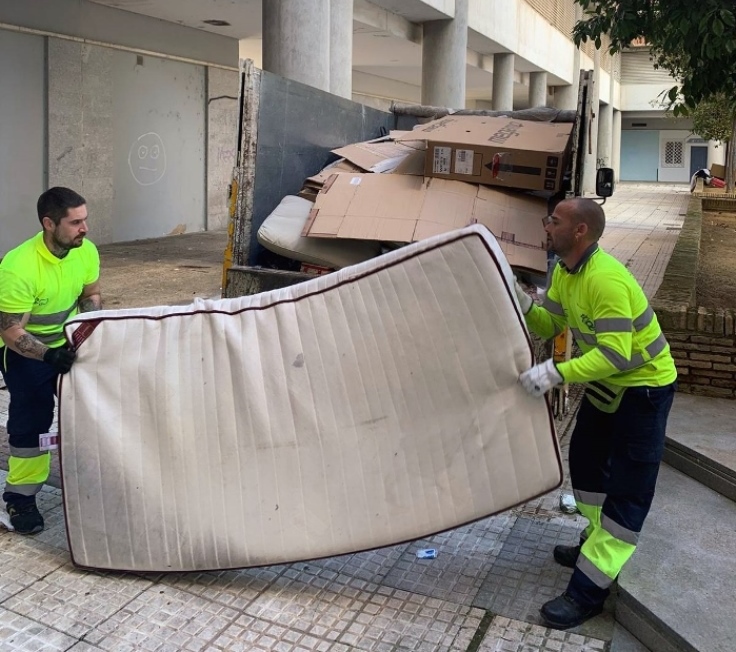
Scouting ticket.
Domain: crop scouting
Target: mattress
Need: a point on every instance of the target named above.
(281, 232)
(371, 406)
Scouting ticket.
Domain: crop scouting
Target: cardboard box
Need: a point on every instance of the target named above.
(718, 170)
(403, 208)
(496, 151)
(384, 155)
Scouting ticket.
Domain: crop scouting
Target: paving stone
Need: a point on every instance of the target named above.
(509, 635)
(163, 619)
(398, 621)
(50, 504)
(21, 633)
(54, 532)
(23, 561)
(371, 566)
(464, 557)
(310, 608)
(74, 601)
(235, 589)
(524, 575)
(248, 634)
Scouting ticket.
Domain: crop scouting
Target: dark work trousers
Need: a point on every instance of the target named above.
(615, 458)
(32, 386)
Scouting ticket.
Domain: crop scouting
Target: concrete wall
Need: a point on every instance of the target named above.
(642, 97)
(127, 132)
(22, 135)
(86, 116)
(158, 146)
(80, 127)
(674, 174)
(518, 28)
(222, 131)
(87, 20)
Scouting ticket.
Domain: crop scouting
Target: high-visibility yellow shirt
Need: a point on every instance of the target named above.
(611, 321)
(33, 280)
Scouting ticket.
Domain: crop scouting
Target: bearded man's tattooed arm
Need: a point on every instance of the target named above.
(91, 298)
(17, 338)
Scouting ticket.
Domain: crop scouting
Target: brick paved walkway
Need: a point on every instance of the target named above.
(643, 222)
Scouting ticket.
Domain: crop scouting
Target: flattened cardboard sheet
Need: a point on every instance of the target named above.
(398, 208)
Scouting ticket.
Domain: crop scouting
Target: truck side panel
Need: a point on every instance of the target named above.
(297, 127)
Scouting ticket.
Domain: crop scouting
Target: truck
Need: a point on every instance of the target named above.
(286, 133)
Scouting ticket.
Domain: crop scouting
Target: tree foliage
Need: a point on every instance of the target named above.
(694, 40)
(713, 119)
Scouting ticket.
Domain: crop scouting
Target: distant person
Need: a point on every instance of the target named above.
(704, 174)
(630, 380)
(43, 282)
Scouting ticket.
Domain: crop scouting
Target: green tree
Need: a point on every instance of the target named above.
(713, 118)
(694, 41)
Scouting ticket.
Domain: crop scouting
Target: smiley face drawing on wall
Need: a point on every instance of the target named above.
(147, 159)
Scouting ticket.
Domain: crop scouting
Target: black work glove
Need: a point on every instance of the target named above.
(60, 359)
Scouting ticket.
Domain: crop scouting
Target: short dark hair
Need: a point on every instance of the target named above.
(590, 212)
(56, 202)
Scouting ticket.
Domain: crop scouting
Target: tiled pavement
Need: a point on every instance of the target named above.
(643, 222)
(482, 593)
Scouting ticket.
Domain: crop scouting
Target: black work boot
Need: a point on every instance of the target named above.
(566, 555)
(25, 518)
(564, 612)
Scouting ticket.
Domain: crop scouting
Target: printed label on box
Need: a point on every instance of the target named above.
(442, 156)
(355, 181)
(48, 441)
(464, 161)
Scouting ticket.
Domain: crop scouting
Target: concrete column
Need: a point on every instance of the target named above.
(503, 82)
(296, 40)
(591, 148)
(444, 51)
(616, 144)
(537, 89)
(566, 97)
(341, 48)
(605, 135)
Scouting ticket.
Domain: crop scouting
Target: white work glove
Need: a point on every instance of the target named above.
(525, 301)
(541, 378)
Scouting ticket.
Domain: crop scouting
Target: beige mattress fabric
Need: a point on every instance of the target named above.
(374, 405)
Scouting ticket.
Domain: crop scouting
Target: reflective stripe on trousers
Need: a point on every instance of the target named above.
(614, 462)
(26, 475)
(607, 545)
(31, 384)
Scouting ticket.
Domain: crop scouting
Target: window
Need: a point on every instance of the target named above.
(673, 154)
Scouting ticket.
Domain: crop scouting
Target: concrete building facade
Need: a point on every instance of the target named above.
(134, 102)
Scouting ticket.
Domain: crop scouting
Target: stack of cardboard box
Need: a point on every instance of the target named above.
(444, 175)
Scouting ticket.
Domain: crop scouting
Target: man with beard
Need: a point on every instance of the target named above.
(43, 282)
(630, 380)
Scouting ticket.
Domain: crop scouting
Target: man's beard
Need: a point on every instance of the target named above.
(61, 248)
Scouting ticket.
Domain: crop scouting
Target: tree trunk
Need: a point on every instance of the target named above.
(731, 158)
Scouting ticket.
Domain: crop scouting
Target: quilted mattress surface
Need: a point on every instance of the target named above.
(371, 406)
